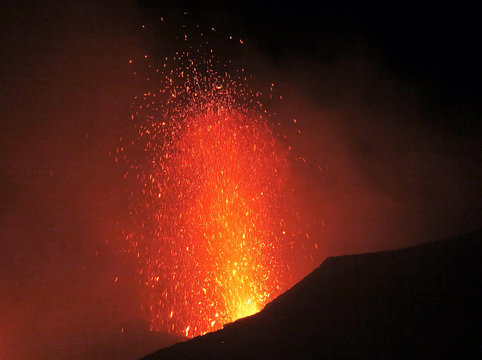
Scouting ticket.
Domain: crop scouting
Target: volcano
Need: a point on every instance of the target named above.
(417, 302)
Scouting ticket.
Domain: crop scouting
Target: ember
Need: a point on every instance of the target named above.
(209, 172)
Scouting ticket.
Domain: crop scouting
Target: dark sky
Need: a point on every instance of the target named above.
(388, 97)
(434, 47)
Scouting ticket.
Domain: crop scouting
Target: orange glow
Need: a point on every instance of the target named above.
(209, 173)
(217, 223)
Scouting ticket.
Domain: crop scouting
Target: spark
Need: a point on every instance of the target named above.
(207, 171)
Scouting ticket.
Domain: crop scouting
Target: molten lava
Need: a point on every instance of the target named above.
(209, 177)
(216, 212)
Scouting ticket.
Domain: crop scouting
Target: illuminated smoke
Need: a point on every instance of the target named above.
(208, 175)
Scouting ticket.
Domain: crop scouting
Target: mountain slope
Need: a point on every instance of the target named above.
(418, 302)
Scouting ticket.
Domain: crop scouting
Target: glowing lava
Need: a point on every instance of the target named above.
(209, 174)
(216, 211)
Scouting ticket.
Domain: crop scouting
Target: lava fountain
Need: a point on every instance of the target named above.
(207, 171)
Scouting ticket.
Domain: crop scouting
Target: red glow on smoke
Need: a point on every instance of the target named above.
(209, 172)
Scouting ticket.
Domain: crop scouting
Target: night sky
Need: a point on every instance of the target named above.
(387, 96)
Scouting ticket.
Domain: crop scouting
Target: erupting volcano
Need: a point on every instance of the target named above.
(209, 173)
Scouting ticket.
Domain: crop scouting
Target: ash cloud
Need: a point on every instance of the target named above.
(392, 172)
(65, 99)
(389, 119)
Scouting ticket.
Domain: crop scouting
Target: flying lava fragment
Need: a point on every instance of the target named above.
(207, 171)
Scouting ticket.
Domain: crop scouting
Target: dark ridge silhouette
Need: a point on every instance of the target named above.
(415, 303)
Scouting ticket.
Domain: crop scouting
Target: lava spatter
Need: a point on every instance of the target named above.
(207, 173)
